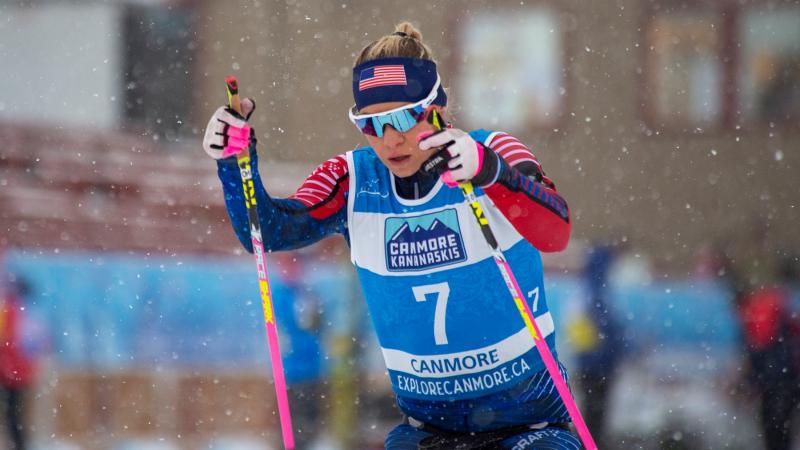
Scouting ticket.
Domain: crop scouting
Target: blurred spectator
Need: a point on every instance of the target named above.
(598, 343)
(345, 316)
(300, 323)
(710, 262)
(631, 267)
(17, 362)
(771, 333)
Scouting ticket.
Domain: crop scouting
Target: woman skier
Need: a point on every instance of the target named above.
(462, 363)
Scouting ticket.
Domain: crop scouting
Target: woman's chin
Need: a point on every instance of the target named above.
(402, 168)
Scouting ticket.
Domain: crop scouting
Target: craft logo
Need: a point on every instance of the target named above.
(423, 242)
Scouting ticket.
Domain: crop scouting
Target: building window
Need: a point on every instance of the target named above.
(60, 63)
(159, 51)
(685, 70)
(723, 67)
(769, 66)
(511, 70)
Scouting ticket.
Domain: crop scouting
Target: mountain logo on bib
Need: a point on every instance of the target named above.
(423, 242)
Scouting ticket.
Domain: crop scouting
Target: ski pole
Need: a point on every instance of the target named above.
(245, 169)
(522, 306)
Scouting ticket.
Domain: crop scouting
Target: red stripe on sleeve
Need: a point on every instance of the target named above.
(323, 191)
(511, 149)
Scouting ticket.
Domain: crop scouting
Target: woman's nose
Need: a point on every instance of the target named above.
(391, 137)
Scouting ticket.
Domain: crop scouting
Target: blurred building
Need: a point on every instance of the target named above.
(656, 119)
(666, 120)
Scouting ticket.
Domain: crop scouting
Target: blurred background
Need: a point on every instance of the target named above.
(671, 128)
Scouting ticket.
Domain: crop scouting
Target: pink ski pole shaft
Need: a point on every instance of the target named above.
(245, 169)
(522, 306)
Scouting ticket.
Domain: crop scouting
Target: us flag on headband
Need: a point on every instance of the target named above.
(382, 76)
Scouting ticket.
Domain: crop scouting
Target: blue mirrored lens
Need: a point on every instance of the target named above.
(401, 121)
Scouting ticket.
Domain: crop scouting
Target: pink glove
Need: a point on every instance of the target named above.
(227, 133)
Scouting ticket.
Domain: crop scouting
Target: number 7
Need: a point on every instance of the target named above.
(535, 294)
(443, 291)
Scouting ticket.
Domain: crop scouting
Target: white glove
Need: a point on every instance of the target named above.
(227, 133)
(466, 161)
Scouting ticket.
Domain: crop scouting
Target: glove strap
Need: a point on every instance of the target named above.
(437, 164)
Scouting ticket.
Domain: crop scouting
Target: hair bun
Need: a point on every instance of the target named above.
(409, 30)
(396, 45)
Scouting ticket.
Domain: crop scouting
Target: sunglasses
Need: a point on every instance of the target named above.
(401, 119)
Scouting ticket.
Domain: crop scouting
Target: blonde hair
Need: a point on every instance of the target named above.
(405, 42)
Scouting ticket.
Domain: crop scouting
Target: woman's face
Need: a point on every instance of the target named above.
(399, 151)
